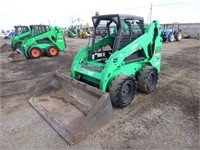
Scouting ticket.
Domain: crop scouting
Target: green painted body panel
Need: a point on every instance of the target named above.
(19, 38)
(102, 74)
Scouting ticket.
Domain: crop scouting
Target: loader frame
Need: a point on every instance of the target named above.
(127, 54)
(21, 33)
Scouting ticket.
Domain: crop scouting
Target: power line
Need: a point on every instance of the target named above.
(155, 5)
(145, 6)
(132, 8)
(175, 3)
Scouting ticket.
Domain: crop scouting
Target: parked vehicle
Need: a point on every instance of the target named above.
(171, 32)
(42, 39)
(7, 35)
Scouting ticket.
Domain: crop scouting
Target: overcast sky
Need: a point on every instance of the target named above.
(61, 12)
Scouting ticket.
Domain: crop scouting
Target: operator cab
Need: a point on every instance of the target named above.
(39, 29)
(21, 29)
(112, 33)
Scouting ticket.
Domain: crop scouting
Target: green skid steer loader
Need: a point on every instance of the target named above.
(122, 58)
(42, 39)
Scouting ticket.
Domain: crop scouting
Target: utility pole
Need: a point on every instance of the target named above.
(72, 22)
(49, 22)
(151, 12)
(150, 15)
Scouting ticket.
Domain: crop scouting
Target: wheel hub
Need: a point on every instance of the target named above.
(126, 91)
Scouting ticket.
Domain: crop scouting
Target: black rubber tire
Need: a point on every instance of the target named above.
(30, 51)
(170, 37)
(123, 90)
(147, 79)
(178, 36)
(164, 40)
(49, 53)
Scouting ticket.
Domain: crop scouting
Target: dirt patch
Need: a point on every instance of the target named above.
(5, 47)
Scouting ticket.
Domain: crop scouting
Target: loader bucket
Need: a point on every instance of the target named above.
(74, 109)
(17, 55)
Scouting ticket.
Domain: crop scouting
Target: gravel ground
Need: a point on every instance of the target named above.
(166, 119)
